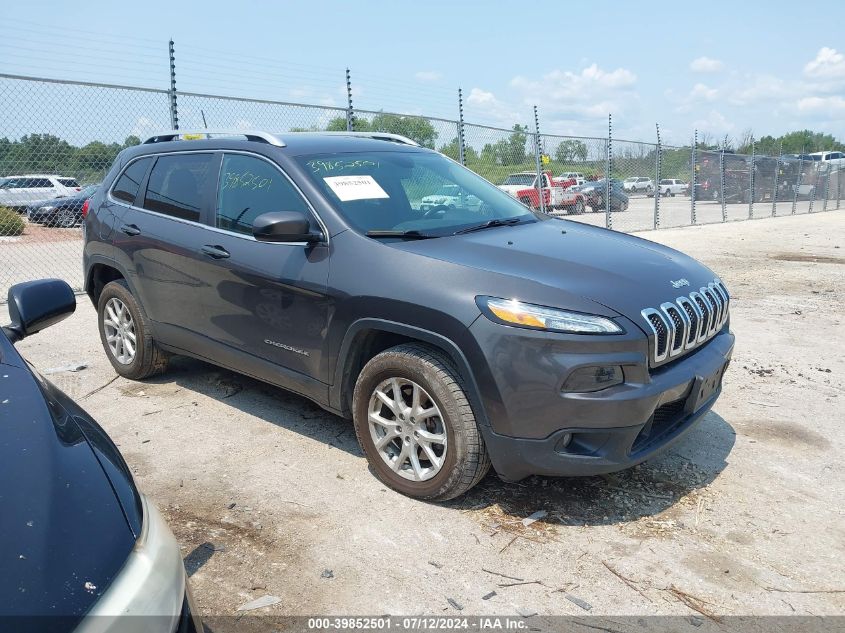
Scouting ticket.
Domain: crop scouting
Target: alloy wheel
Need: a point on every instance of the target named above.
(119, 328)
(407, 429)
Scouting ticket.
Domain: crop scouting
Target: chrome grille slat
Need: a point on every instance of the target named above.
(684, 324)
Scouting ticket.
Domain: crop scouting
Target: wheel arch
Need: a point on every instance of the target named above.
(368, 337)
(101, 272)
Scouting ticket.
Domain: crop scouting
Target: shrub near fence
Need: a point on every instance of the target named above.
(11, 224)
(75, 129)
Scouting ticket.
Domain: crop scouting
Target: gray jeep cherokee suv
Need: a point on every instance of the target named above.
(455, 337)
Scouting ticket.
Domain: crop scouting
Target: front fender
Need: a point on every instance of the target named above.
(447, 345)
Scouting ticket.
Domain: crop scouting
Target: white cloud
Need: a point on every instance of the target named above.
(829, 107)
(428, 75)
(702, 92)
(714, 123)
(706, 65)
(490, 108)
(590, 93)
(828, 64)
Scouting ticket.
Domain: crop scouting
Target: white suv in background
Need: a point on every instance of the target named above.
(18, 192)
(638, 183)
(672, 186)
(833, 158)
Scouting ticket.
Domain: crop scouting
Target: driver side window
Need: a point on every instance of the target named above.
(250, 186)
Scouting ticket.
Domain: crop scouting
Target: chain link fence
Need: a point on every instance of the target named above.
(59, 138)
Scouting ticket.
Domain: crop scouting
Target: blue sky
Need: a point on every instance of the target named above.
(723, 67)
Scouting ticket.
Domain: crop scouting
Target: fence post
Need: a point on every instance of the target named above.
(798, 181)
(722, 185)
(815, 185)
(461, 152)
(694, 180)
(826, 186)
(777, 178)
(751, 183)
(174, 111)
(608, 218)
(350, 113)
(656, 187)
(838, 185)
(539, 165)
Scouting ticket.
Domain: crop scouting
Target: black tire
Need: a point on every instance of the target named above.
(526, 202)
(465, 458)
(579, 207)
(149, 359)
(599, 203)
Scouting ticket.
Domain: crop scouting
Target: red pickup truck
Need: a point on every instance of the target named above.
(556, 194)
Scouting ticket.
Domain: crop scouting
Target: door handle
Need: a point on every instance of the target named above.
(215, 252)
(130, 229)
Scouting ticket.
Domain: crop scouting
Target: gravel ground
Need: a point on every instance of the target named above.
(268, 494)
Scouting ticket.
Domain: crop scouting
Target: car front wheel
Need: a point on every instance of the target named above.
(126, 334)
(415, 424)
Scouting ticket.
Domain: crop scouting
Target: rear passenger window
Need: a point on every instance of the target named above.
(68, 182)
(177, 184)
(40, 183)
(126, 187)
(251, 186)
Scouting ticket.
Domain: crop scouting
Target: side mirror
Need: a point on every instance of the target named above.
(35, 305)
(284, 226)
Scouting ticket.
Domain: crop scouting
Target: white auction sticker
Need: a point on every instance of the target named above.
(355, 188)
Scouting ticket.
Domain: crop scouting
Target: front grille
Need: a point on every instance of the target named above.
(687, 322)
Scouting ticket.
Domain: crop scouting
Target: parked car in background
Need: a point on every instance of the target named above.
(62, 212)
(18, 192)
(638, 184)
(456, 341)
(448, 197)
(80, 546)
(595, 191)
(577, 176)
(671, 187)
(832, 158)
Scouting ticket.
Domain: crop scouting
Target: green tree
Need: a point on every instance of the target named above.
(511, 151)
(417, 128)
(570, 151)
(38, 153)
(338, 124)
(452, 150)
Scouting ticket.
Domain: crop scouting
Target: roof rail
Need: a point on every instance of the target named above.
(251, 135)
(383, 136)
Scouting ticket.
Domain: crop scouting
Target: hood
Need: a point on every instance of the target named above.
(623, 273)
(65, 532)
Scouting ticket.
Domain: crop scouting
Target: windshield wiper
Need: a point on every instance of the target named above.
(489, 224)
(410, 235)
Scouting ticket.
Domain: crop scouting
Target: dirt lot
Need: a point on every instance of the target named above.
(266, 492)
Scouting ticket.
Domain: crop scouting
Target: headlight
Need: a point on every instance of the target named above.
(513, 312)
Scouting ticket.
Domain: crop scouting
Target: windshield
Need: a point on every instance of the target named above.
(384, 191)
(520, 179)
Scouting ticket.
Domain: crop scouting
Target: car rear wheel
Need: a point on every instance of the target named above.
(126, 335)
(526, 202)
(65, 219)
(579, 207)
(415, 425)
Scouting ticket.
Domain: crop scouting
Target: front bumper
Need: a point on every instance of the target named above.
(538, 429)
(151, 592)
